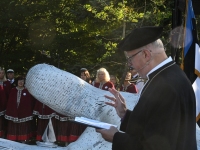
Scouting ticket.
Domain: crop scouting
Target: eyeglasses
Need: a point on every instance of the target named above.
(130, 58)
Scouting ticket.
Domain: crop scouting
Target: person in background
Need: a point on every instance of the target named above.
(68, 131)
(164, 117)
(6, 84)
(85, 75)
(63, 130)
(10, 77)
(5, 88)
(93, 80)
(19, 113)
(127, 86)
(115, 81)
(43, 113)
(103, 80)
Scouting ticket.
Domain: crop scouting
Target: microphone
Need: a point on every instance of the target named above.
(140, 68)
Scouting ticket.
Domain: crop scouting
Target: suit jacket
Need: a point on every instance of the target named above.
(164, 117)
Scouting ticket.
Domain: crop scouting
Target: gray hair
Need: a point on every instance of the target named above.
(156, 46)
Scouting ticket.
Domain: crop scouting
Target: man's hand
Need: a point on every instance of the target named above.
(108, 134)
(119, 102)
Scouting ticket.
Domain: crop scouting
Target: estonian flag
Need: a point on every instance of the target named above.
(190, 41)
(191, 54)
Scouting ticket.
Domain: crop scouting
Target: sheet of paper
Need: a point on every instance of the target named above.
(93, 123)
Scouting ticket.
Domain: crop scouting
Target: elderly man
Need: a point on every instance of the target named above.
(164, 117)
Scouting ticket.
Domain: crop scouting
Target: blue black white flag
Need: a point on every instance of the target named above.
(191, 55)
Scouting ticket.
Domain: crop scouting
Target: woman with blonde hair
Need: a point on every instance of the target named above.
(103, 80)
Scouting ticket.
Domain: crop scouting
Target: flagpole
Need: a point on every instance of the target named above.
(184, 28)
(176, 22)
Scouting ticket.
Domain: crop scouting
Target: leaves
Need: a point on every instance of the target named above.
(72, 34)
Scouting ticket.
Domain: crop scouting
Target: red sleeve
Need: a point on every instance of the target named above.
(132, 89)
(7, 87)
(12, 103)
(3, 99)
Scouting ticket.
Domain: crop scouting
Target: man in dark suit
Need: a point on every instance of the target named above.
(165, 116)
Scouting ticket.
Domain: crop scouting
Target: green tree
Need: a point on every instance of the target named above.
(73, 34)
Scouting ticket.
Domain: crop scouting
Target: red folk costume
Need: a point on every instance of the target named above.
(19, 115)
(5, 88)
(2, 111)
(43, 113)
(104, 86)
(67, 131)
(131, 88)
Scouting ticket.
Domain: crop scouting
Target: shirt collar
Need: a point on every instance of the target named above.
(11, 80)
(160, 65)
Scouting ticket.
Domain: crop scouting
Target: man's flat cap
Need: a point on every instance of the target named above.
(10, 71)
(140, 37)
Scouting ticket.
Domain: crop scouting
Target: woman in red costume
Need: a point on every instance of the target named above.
(43, 114)
(5, 88)
(67, 131)
(103, 80)
(115, 81)
(19, 113)
(127, 86)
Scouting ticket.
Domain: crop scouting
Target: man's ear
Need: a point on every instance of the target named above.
(147, 54)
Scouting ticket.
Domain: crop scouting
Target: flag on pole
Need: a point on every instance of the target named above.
(191, 53)
(190, 41)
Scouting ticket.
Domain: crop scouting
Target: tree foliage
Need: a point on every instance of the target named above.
(73, 34)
